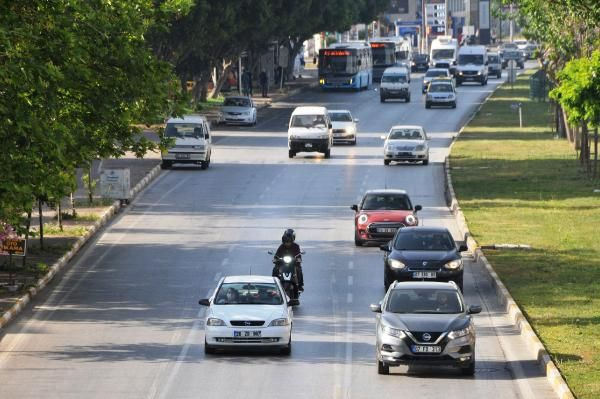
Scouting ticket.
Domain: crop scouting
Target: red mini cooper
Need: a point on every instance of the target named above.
(381, 213)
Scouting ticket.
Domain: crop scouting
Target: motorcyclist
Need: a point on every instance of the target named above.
(289, 247)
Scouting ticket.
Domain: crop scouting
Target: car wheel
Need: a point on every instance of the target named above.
(458, 82)
(427, 105)
(386, 162)
(328, 153)
(204, 165)
(408, 99)
(165, 165)
(291, 154)
(354, 142)
(286, 350)
(386, 281)
(382, 368)
(470, 369)
(426, 161)
(499, 75)
(357, 241)
(382, 99)
(453, 104)
(209, 349)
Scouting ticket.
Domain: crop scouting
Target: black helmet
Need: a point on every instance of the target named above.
(288, 236)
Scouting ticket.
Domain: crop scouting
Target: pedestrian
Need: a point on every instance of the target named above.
(250, 83)
(246, 83)
(315, 60)
(264, 81)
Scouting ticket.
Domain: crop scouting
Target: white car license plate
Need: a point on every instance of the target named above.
(426, 349)
(249, 333)
(386, 230)
(424, 274)
(308, 145)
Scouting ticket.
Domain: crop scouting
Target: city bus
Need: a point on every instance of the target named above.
(346, 66)
(390, 52)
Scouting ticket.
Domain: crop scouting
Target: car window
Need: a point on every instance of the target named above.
(423, 300)
(236, 102)
(308, 121)
(435, 74)
(182, 130)
(340, 116)
(440, 88)
(406, 134)
(393, 78)
(248, 294)
(374, 202)
(493, 58)
(424, 241)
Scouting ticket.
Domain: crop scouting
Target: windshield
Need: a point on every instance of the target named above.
(435, 74)
(509, 45)
(248, 294)
(374, 202)
(308, 121)
(383, 56)
(493, 59)
(465, 59)
(424, 241)
(442, 53)
(406, 134)
(236, 102)
(394, 78)
(423, 300)
(340, 117)
(182, 130)
(337, 64)
(402, 55)
(420, 57)
(440, 88)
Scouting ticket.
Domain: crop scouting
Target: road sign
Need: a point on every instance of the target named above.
(13, 246)
(114, 183)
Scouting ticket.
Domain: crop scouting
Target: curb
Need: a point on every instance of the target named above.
(22, 302)
(544, 360)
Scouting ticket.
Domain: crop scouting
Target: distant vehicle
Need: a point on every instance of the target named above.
(423, 253)
(433, 73)
(394, 84)
(443, 53)
(521, 43)
(346, 66)
(248, 311)
(494, 65)
(238, 110)
(441, 92)
(387, 52)
(513, 55)
(310, 130)
(424, 323)
(420, 62)
(406, 143)
(472, 65)
(507, 46)
(193, 142)
(344, 126)
(381, 213)
(530, 50)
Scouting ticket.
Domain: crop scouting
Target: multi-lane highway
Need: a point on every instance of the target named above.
(124, 320)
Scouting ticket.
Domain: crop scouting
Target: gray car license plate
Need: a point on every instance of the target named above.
(249, 333)
(386, 230)
(424, 275)
(182, 156)
(426, 349)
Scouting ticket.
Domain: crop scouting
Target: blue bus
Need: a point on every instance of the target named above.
(389, 52)
(346, 66)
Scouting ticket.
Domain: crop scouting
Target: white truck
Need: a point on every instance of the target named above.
(192, 142)
(310, 130)
(443, 54)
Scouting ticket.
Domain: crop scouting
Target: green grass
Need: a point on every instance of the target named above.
(52, 229)
(209, 104)
(523, 186)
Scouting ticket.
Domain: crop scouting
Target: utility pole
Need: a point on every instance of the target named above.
(511, 22)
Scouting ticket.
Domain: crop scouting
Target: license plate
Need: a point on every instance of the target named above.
(308, 145)
(426, 349)
(424, 275)
(386, 230)
(182, 156)
(248, 333)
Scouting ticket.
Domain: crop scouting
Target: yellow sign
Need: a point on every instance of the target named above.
(14, 246)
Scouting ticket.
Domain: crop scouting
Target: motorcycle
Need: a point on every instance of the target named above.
(287, 274)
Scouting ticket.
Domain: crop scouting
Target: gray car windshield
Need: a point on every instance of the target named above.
(182, 130)
(374, 202)
(406, 134)
(393, 79)
(248, 294)
(340, 117)
(308, 121)
(432, 301)
(440, 88)
(424, 241)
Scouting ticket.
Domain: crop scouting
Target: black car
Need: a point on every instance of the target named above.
(425, 323)
(423, 254)
(420, 62)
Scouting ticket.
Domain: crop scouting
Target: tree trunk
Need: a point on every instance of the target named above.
(569, 132)
(293, 47)
(41, 218)
(89, 186)
(59, 215)
(73, 210)
(222, 78)
(595, 152)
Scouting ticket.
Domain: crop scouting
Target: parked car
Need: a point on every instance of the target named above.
(406, 144)
(423, 254)
(425, 323)
(433, 73)
(238, 110)
(192, 142)
(441, 92)
(420, 62)
(248, 311)
(344, 126)
(381, 213)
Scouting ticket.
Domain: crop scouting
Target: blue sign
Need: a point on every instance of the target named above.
(409, 23)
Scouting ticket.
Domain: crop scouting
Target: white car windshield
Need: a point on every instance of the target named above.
(423, 300)
(340, 117)
(182, 130)
(406, 134)
(236, 102)
(308, 121)
(393, 78)
(248, 294)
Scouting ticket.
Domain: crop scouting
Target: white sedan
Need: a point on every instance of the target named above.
(238, 110)
(250, 312)
(406, 143)
(343, 125)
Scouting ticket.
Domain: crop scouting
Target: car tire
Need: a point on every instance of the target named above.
(499, 75)
(427, 105)
(408, 99)
(357, 241)
(165, 165)
(470, 369)
(209, 349)
(204, 165)
(426, 161)
(382, 368)
(459, 283)
(287, 350)
(386, 162)
(381, 99)
(354, 141)
(291, 154)
(386, 281)
(328, 153)
(453, 105)
(458, 82)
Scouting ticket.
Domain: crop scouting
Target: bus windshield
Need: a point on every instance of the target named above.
(337, 64)
(383, 56)
(442, 53)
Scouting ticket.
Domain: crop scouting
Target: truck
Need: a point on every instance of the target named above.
(444, 50)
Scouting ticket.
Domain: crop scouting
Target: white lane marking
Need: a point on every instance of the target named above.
(350, 280)
(351, 265)
(348, 358)
(349, 298)
(225, 261)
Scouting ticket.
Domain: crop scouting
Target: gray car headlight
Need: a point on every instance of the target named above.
(396, 264)
(420, 147)
(213, 321)
(394, 332)
(460, 333)
(453, 265)
(279, 322)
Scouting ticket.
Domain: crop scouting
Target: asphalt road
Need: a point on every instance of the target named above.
(124, 320)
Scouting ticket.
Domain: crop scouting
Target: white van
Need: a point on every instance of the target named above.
(394, 84)
(193, 142)
(472, 65)
(310, 130)
(443, 53)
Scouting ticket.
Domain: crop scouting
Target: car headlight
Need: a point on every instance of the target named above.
(453, 265)
(351, 80)
(287, 259)
(478, 72)
(279, 322)
(246, 113)
(460, 333)
(396, 264)
(394, 332)
(213, 321)
(362, 219)
(460, 73)
(411, 220)
(420, 147)
(322, 81)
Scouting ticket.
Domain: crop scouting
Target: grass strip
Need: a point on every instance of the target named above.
(524, 186)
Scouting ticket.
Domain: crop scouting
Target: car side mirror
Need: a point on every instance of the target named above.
(302, 252)
(356, 120)
(204, 302)
(293, 302)
(206, 136)
(385, 247)
(418, 208)
(270, 252)
(331, 126)
(474, 309)
(463, 248)
(376, 308)
(354, 208)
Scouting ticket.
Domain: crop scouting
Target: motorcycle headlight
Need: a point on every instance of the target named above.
(213, 321)
(453, 265)
(411, 220)
(287, 259)
(396, 264)
(394, 332)
(460, 333)
(279, 322)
